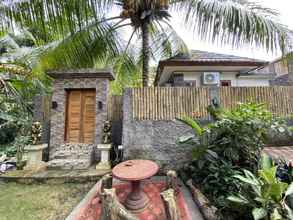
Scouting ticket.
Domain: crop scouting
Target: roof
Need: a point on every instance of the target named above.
(81, 73)
(282, 80)
(205, 58)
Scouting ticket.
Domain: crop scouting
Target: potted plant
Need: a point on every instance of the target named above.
(34, 152)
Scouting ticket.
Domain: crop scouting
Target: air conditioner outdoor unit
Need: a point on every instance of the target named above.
(211, 78)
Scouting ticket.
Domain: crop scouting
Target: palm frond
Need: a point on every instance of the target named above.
(92, 44)
(51, 18)
(165, 41)
(14, 69)
(234, 22)
(127, 73)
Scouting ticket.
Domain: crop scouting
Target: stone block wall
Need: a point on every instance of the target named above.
(58, 114)
(154, 140)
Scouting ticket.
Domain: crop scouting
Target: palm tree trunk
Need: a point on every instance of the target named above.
(145, 53)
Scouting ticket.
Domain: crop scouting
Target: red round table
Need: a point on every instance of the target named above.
(135, 171)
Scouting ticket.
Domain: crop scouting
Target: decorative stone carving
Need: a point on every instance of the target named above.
(169, 200)
(172, 182)
(107, 132)
(105, 163)
(36, 132)
(112, 209)
(34, 153)
(106, 182)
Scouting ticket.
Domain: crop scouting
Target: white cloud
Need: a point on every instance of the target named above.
(284, 7)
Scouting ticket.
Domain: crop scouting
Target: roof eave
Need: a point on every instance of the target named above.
(164, 63)
(81, 73)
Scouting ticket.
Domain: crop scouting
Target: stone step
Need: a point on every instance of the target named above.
(76, 147)
(73, 154)
(69, 164)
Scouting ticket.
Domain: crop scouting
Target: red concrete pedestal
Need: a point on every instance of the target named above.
(135, 171)
(137, 200)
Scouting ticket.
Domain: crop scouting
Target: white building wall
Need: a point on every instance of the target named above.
(252, 82)
(226, 73)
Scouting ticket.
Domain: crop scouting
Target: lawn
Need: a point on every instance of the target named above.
(39, 201)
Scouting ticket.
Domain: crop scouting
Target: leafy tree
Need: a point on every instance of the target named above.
(18, 84)
(87, 32)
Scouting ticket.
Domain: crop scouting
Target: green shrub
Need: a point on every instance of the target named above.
(220, 149)
(240, 134)
(237, 136)
(265, 195)
(8, 132)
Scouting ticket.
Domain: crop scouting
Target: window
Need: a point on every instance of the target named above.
(190, 83)
(80, 116)
(178, 78)
(225, 82)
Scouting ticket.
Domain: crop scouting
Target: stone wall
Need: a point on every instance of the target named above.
(154, 140)
(58, 114)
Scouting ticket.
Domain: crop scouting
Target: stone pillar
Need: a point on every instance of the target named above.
(127, 119)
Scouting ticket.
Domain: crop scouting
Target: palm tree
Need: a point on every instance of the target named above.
(87, 32)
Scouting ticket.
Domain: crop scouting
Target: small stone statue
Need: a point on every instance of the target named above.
(107, 132)
(106, 182)
(112, 209)
(169, 200)
(36, 132)
(172, 181)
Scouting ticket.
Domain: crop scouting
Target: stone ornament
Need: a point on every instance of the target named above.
(36, 132)
(106, 182)
(169, 200)
(172, 182)
(107, 132)
(112, 209)
(34, 152)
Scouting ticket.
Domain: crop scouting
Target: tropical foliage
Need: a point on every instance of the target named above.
(267, 196)
(223, 148)
(238, 135)
(18, 86)
(91, 31)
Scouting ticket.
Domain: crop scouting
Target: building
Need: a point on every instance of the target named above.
(282, 68)
(202, 68)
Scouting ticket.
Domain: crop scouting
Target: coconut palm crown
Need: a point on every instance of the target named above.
(87, 31)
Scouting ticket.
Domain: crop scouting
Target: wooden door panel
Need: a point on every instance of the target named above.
(73, 116)
(89, 118)
(80, 125)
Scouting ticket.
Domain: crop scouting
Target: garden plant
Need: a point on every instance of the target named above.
(226, 153)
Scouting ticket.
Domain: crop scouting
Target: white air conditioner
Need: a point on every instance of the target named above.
(211, 78)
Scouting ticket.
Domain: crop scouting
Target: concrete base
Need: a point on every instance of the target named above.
(103, 166)
(105, 156)
(33, 156)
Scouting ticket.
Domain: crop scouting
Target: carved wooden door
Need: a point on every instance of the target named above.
(80, 116)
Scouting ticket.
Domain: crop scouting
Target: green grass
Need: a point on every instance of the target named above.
(39, 201)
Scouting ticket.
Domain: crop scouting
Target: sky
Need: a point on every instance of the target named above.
(284, 7)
